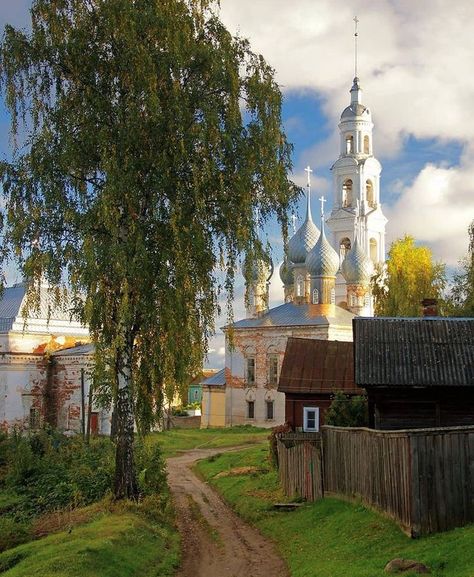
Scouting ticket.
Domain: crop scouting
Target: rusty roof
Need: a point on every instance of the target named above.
(316, 366)
(410, 352)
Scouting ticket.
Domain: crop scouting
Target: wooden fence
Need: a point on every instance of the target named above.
(299, 465)
(423, 478)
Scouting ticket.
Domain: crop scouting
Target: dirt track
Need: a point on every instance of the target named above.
(216, 542)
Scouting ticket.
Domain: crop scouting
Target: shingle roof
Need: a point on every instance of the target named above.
(216, 380)
(424, 352)
(290, 314)
(316, 366)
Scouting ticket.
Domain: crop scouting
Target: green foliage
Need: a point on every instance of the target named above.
(12, 533)
(347, 411)
(460, 302)
(350, 539)
(273, 442)
(151, 467)
(408, 277)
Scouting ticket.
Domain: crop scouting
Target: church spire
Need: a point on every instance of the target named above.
(308, 194)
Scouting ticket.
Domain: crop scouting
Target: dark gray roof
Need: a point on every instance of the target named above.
(10, 305)
(406, 352)
(75, 351)
(217, 379)
(290, 314)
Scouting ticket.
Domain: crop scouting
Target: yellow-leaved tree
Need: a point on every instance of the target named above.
(408, 277)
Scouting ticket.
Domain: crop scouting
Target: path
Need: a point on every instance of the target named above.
(215, 541)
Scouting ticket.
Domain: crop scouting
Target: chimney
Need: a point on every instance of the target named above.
(430, 307)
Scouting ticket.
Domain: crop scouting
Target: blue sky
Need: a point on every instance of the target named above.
(415, 66)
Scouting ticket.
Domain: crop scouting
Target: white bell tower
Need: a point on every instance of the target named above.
(356, 184)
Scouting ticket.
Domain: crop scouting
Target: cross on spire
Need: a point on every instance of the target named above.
(294, 220)
(356, 34)
(322, 200)
(308, 171)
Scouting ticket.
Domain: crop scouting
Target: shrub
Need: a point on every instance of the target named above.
(347, 411)
(285, 428)
(13, 533)
(151, 467)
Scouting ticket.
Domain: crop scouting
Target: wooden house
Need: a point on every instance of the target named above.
(312, 371)
(418, 373)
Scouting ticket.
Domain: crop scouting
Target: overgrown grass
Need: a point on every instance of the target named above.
(332, 538)
(121, 540)
(176, 440)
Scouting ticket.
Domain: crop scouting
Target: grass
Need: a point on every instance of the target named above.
(121, 540)
(176, 440)
(332, 538)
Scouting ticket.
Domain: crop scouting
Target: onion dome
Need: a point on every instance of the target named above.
(287, 275)
(357, 267)
(322, 260)
(262, 270)
(304, 238)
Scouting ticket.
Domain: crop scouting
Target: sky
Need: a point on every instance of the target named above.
(415, 67)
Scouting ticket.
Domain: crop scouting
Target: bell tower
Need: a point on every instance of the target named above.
(356, 184)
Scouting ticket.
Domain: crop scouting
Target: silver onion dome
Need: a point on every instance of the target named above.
(304, 238)
(357, 267)
(287, 275)
(322, 260)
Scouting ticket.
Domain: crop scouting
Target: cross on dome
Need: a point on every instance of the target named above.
(322, 200)
(308, 171)
(356, 34)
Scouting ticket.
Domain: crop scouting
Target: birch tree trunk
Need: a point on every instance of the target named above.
(125, 479)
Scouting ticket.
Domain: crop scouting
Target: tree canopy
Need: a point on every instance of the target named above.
(460, 301)
(408, 277)
(146, 136)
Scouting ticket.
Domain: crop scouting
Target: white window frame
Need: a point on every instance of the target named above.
(306, 428)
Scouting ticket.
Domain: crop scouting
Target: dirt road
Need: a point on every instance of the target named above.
(216, 542)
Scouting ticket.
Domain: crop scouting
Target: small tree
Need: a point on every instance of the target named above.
(460, 301)
(150, 137)
(347, 411)
(408, 277)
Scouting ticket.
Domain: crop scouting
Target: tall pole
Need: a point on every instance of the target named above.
(83, 405)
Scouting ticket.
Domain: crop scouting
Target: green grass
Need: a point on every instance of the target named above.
(125, 541)
(176, 440)
(333, 538)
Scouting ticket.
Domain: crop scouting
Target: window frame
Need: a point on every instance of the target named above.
(251, 410)
(269, 404)
(248, 371)
(307, 429)
(273, 371)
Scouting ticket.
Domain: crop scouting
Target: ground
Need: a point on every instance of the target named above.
(215, 541)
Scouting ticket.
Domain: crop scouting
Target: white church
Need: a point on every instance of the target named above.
(326, 277)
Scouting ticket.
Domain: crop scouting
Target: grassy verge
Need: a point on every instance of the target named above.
(332, 538)
(118, 540)
(174, 441)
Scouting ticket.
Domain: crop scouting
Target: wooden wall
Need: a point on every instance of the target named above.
(423, 478)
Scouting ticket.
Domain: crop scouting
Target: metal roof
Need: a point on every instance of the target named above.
(10, 305)
(407, 352)
(216, 380)
(290, 314)
(87, 349)
(316, 366)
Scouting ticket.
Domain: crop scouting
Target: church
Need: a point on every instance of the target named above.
(326, 278)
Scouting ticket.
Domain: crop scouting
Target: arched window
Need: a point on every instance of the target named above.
(369, 193)
(344, 248)
(373, 249)
(315, 297)
(349, 144)
(299, 286)
(366, 145)
(347, 193)
(333, 296)
(367, 301)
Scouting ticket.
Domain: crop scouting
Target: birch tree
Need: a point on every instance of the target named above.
(145, 137)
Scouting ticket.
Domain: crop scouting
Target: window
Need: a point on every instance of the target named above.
(369, 193)
(269, 410)
(366, 145)
(344, 248)
(250, 409)
(34, 420)
(299, 286)
(311, 419)
(273, 369)
(250, 371)
(373, 249)
(349, 144)
(315, 297)
(367, 301)
(347, 193)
